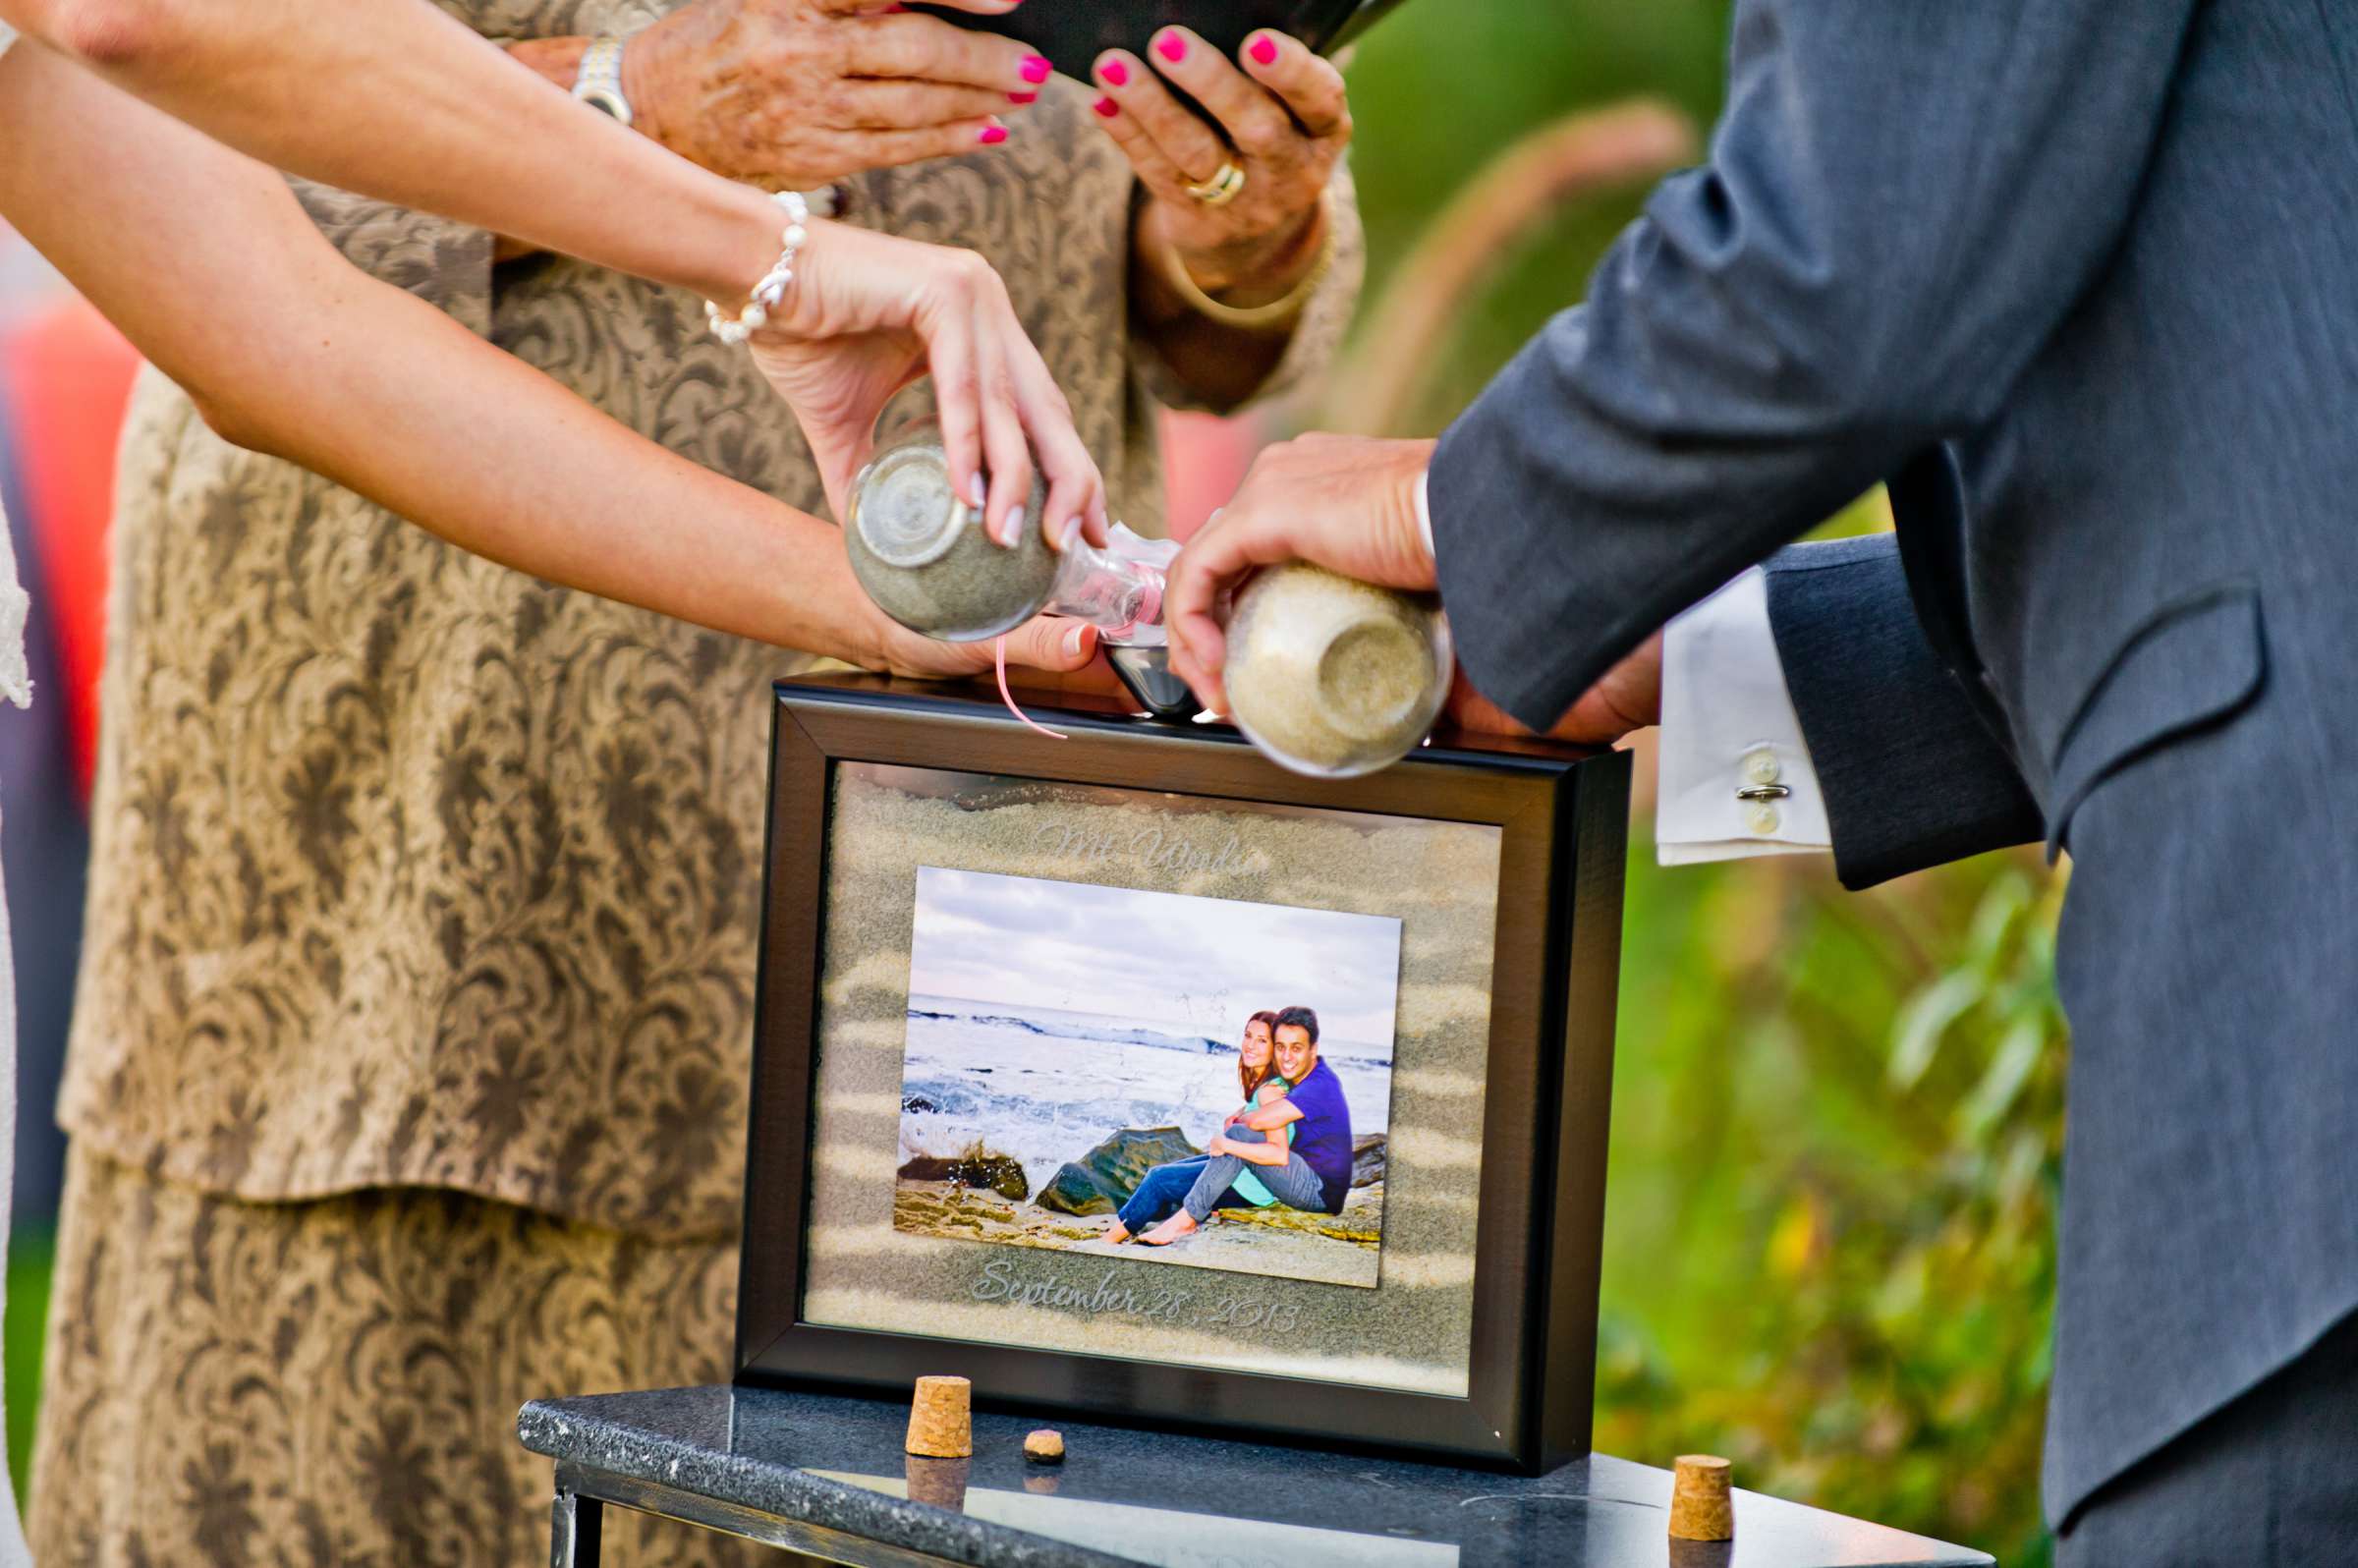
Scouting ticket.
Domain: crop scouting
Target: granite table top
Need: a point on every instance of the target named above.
(1126, 1496)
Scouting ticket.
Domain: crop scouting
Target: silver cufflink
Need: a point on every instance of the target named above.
(1761, 770)
(1761, 774)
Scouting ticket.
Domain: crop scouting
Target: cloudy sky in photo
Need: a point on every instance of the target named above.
(1156, 958)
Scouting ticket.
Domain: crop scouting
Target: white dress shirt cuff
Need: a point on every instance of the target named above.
(1728, 725)
(1425, 516)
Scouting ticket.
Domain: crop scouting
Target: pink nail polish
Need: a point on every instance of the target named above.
(1117, 73)
(1172, 47)
(994, 134)
(1106, 108)
(1023, 97)
(1264, 49)
(1037, 67)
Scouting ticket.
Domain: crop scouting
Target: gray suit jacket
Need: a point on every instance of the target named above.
(2080, 278)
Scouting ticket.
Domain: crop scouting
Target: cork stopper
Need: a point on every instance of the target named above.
(1044, 1446)
(1699, 1507)
(941, 1423)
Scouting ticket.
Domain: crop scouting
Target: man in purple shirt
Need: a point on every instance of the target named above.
(1313, 1172)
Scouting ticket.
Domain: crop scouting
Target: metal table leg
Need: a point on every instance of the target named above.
(576, 1523)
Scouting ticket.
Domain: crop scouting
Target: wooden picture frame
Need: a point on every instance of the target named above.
(1561, 816)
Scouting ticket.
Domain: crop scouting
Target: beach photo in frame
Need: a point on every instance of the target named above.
(1130, 1075)
(1068, 1041)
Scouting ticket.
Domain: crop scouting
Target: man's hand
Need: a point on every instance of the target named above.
(1346, 503)
(1628, 698)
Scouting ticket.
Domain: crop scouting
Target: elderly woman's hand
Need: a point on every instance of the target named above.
(867, 314)
(1283, 122)
(789, 94)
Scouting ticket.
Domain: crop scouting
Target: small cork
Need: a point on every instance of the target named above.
(1044, 1446)
(1699, 1507)
(941, 1422)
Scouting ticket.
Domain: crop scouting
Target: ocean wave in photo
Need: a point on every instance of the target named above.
(1043, 1086)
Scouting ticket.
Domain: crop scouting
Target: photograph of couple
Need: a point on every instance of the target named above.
(1149, 1075)
(1289, 1142)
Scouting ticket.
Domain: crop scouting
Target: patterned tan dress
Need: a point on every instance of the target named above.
(407, 1079)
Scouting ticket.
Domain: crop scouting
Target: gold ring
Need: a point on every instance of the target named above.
(1221, 188)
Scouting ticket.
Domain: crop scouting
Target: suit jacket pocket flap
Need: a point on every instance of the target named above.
(2189, 664)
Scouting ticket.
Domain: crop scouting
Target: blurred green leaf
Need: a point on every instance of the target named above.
(1926, 1018)
(2009, 1070)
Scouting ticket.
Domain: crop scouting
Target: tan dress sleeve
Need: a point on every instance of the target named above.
(445, 263)
(1318, 337)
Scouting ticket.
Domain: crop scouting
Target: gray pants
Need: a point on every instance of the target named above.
(2267, 1482)
(1293, 1184)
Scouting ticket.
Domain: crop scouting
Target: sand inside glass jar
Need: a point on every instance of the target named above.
(1333, 676)
(924, 556)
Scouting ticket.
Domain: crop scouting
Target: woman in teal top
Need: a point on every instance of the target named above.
(1255, 1055)
(1273, 1087)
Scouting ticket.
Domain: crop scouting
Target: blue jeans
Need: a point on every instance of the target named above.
(1205, 1183)
(1293, 1184)
(1165, 1193)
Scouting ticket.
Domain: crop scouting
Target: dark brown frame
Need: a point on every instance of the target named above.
(1563, 820)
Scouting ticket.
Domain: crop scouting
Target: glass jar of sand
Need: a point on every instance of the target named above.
(923, 557)
(1331, 677)
(1327, 676)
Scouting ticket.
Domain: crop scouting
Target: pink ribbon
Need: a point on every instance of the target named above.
(999, 652)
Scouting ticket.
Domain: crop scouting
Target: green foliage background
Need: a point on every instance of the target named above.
(1837, 1118)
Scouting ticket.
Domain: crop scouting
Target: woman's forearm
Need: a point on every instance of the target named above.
(208, 264)
(558, 62)
(394, 100)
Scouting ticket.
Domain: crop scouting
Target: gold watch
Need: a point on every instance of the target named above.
(597, 82)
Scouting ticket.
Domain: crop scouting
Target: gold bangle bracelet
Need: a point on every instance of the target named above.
(1253, 317)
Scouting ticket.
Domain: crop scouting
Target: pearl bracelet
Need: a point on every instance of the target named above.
(734, 330)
